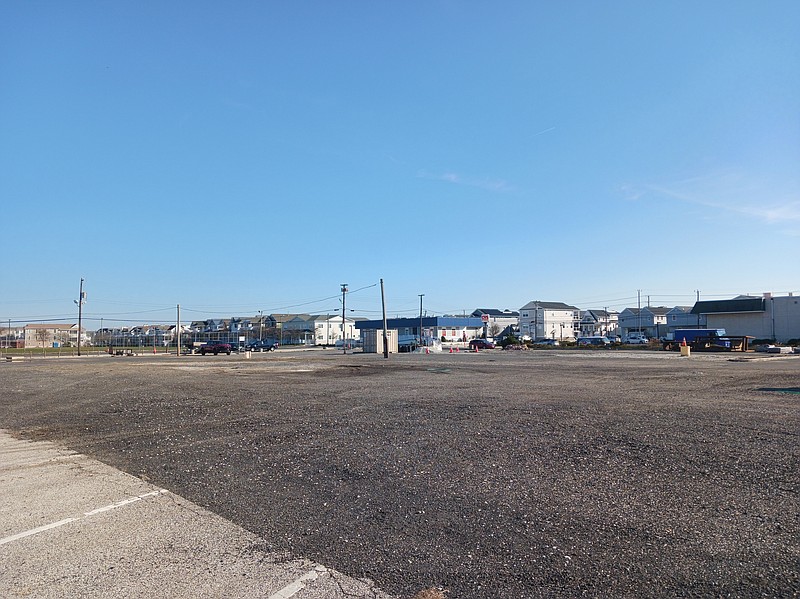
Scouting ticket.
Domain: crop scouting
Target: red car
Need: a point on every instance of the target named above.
(481, 344)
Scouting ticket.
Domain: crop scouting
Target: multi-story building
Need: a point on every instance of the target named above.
(549, 320)
(51, 335)
(600, 322)
(650, 321)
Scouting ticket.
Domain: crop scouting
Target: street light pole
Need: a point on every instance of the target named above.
(81, 299)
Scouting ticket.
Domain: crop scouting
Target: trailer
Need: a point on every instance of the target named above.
(707, 340)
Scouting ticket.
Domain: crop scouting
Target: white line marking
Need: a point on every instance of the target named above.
(99, 510)
(295, 587)
(123, 502)
(35, 531)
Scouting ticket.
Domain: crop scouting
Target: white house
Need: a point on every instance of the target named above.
(549, 320)
(320, 329)
(600, 322)
(650, 321)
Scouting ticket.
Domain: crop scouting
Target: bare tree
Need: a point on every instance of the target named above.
(42, 336)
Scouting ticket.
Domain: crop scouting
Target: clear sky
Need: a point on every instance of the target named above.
(233, 157)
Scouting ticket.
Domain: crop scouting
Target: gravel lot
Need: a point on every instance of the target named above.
(491, 474)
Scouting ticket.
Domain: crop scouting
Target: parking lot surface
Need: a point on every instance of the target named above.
(489, 474)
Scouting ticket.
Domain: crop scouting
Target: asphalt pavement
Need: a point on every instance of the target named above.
(548, 473)
(71, 526)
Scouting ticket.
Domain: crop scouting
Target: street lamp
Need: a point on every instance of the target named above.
(80, 301)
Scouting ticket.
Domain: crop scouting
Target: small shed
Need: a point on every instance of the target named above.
(373, 341)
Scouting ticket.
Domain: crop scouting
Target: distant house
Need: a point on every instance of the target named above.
(549, 320)
(766, 317)
(650, 321)
(50, 335)
(599, 322)
(298, 329)
(495, 320)
(681, 317)
(12, 336)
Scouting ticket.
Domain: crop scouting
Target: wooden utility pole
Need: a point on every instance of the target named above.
(385, 334)
(344, 328)
(421, 295)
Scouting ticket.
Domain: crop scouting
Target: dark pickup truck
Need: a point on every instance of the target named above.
(215, 347)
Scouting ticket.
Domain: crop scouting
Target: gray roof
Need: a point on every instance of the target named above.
(602, 313)
(494, 312)
(657, 310)
(750, 304)
(548, 306)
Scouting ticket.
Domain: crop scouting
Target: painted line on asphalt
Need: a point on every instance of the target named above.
(124, 502)
(35, 531)
(298, 585)
(46, 527)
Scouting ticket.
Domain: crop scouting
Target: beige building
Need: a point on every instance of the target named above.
(50, 335)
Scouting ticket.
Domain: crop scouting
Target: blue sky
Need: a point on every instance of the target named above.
(245, 156)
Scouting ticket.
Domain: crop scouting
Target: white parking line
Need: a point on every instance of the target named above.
(34, 531)
(124, 502)
(298, 585)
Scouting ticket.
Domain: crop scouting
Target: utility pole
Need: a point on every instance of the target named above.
(385, 335)
(698, 314)
(639, 308)
(344, 329)
(260, 325)
(421, 295)
(178, 330)
(80, 301)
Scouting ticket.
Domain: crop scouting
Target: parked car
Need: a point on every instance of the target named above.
(552, 342)
(636, 339)
(595, 340)
(261, 346)
(215, 347)
(348, 343)
(481, 344)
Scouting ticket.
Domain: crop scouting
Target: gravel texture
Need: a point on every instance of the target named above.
(493, 474)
